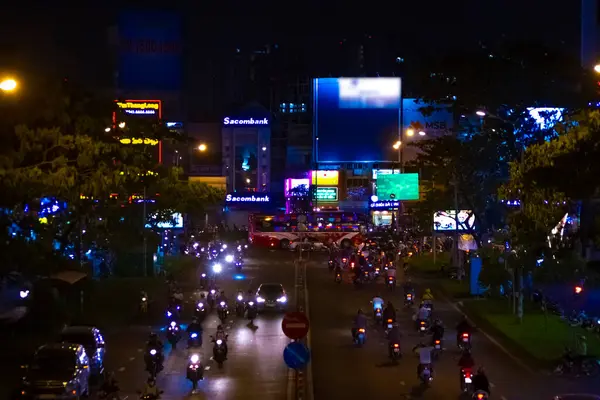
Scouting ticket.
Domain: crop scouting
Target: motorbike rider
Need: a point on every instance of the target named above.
(481, 382)
(240, 295)
(391, 272)
(377, 302)
(437, 331)
(408, 287)
(466, 362)
(151, 389)
(427, 296)
(250, 296)
(222, 336)
(195, 327)
(389, 313)
(360, 322)
(424, 357)
(463, 327)
(221, 297)
(154, 342)
(423, 314)
(394, 336)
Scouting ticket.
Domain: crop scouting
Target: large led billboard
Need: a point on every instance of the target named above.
(398, 187)
(356, 119)
(446, 220)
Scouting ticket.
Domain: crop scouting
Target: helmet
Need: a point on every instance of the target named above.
(223, 292)
(220, 327)
(360, 311)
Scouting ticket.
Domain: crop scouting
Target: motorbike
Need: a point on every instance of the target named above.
(153, 362)
(144, 304)
(465, 341)
(408, 300)
(388, 324)
(219, 351)
(360, 336)
(195, 340)
(422, 326)
(222, 311)
(391, 282)
(480, 395)
(378, 315)
(150, 396)
(437, 349)
(252, 310)
(395, 351)
(466, 383)
(426, 376)
(203, 280)
(194, 372)
(338, 277)
(377, 272)
(331, 265)
(240, 307)
(366, 276)
(587, 365)
(173, 334)
(200, 311)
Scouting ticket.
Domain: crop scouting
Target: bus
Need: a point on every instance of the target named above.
(279, 230)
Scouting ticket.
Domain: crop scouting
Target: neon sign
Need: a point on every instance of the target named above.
(139, 107)
(249, 121)
(247, 198)
(151, 142)
(384, 204)
(326, 194)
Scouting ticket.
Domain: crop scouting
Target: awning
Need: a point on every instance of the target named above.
(70, 277)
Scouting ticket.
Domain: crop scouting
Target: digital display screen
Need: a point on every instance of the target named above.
(176, 222)
(356, 119)
(446, 220)
(326, 194)
(398, 187)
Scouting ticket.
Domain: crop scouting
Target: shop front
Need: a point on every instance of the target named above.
(383, 212)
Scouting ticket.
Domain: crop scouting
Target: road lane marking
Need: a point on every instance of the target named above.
(503, 398)
(121, 369)
(207, 368)
(131, 358)
(492, 385)
(139, 350)
(402, 383)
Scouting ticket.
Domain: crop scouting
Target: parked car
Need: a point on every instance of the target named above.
(57, 371)
(93, 342)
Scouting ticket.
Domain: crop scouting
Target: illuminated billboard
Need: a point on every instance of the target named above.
(446, 220)
(152, 108)
(398, 187)
(325, 194)
(175, 222)
(291, 184)
(356, 119)
(384, 172)
(325, 178)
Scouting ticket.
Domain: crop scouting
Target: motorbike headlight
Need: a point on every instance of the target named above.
(143, 299)
(173, 324)
(195, 358)
(23, 294)
(219, 342)
(229, 258)
(240, 298)
(217, 268)
(153, 352)
(222, 304)
(260, 299)
(194, 335)
(282, 299)
(224, 246)
(169, 313)
(250, 303)
(200, 305)
(245, 246)
(204, 275)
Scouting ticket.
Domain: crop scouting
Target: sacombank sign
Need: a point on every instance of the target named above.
(247, 198)
(249, 121)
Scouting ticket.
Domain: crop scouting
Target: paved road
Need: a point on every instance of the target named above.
(254, 369)
(341, 370)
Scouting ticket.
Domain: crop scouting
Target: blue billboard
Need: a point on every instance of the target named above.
(356, 119)
(150, 51)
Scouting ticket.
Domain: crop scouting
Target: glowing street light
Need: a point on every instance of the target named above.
(107, 129)
(397, 145)
(264, 148)
(480, 113)
(121, 125)
(410, 132)
(202, 147)
(248, 181)
(8, 85)
(597, 68)
(422, 133)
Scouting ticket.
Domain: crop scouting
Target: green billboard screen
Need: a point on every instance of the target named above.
(398, 187)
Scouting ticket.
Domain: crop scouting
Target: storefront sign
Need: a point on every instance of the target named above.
(140, 107)
(249, 121)
(247, 198)
(326, 194)
(384, 172)
(384, 205)
(325, 178)
(151, 142)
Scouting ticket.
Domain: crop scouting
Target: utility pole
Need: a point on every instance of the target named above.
(145, 246)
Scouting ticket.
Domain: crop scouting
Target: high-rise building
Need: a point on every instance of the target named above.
(590, 33)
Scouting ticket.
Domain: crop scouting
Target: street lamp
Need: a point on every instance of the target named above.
(410, 132)
(202, 147)
(8, 85)
(264, 148)
(480, 113)
(121, 125)
(597, 68)
(397, 145)
(422, 133)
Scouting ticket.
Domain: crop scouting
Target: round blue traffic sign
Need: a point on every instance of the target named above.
(296, 355)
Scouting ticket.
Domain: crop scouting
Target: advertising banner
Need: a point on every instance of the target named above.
(398, 187)
(325, 194)
(142, 108)
(356, 119)
(325, 178)
(150, 51)
(446, 220)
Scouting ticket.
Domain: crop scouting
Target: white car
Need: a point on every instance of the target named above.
(308, 244)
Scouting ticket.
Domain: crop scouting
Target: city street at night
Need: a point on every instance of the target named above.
(254, 368)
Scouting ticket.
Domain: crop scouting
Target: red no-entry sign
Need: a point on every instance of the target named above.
(295, 325)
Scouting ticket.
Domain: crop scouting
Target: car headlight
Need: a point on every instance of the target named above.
(282, 299)
(260, 299)
(217, 268)
(229, 258)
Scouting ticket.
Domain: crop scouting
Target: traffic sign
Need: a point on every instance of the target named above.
(296, 355)
(295, 325)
